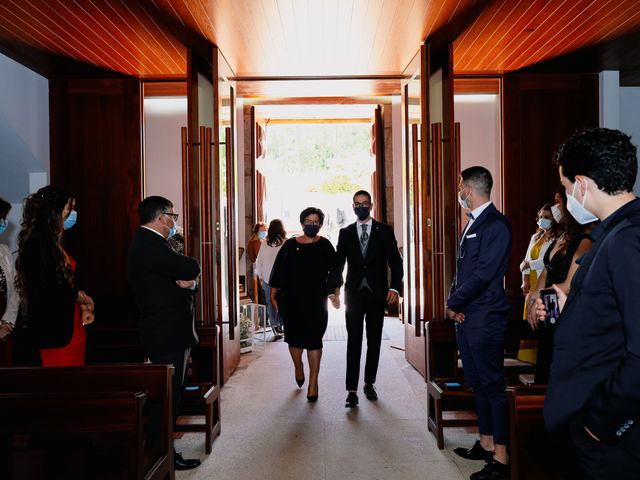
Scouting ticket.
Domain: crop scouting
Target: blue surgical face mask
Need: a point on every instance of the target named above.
(545, 223)
(311, 230)
(3, 225)
(362, 213)
(70, 221)
(262, 235)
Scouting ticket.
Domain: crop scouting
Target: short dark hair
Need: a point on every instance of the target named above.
(606, 156)
(311, 211)
(5, 207)
(151, 207)
(362, 192)
(479, 177)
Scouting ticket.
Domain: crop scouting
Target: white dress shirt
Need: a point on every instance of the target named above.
(13, 299)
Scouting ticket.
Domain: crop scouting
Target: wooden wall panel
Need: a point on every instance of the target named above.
(95, 128)
(539, 113)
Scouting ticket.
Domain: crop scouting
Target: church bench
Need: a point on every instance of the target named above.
(525, 409)
(153, 381)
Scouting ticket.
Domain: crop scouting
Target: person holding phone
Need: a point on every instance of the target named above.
(479, 306)
(593, 384)
(371, 251)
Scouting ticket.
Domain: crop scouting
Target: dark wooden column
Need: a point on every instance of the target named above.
(95, 128)
(540, 111)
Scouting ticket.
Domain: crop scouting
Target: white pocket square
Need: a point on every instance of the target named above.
(473, 235)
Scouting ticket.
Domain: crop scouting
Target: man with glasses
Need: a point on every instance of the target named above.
(370, 248)
(163, 282)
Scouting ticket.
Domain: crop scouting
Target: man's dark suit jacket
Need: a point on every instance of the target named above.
(478, 286)
(382, 251)
(595, 375)
(166, 310)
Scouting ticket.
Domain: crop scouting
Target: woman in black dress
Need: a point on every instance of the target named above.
(303, 276)
(560, 262)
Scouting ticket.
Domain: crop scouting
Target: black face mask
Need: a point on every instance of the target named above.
(361, 212)
(311, 230)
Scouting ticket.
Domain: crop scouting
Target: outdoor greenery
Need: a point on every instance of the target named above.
(335, 156)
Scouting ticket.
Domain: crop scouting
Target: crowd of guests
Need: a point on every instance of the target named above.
(585, 251)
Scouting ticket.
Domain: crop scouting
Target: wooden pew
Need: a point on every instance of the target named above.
(153, 381)
(525, 409)
(78, 412)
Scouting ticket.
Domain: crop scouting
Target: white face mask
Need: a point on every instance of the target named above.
(464, 203)
(556, 212)
(544, 223)
(577, 210)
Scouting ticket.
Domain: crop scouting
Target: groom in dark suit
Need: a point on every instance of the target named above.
(478, 304)
(163, 282)
(370, 248)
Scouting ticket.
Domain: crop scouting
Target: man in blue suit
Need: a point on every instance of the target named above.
(478, 304)
(594, 385)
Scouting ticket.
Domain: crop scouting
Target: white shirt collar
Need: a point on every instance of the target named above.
(368, 223)
(152, 230)
(477, 211)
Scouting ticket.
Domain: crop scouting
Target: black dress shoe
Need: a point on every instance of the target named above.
(184, 463)
(352, 400)
(493, 470)
(474, 453)
(370, 391)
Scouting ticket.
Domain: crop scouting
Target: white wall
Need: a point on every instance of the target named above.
(163, 118)
(479, 117)
(240, 151)
(24, 137)
(396, 129)
(619, 107)
(630, 120)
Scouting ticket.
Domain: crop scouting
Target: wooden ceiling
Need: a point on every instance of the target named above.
(268, 41)
(509, 35)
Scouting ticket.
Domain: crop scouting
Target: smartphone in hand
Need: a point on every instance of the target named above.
(549, 298)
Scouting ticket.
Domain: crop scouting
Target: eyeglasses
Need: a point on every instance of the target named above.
(174, 216)
(363, 204)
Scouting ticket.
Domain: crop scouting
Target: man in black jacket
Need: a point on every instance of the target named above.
(594, 384)
(369, 247)
(163, 282)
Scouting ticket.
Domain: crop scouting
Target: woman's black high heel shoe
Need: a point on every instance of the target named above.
(300, 381)
(312, 398)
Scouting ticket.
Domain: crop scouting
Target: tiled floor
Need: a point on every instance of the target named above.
(270, 431)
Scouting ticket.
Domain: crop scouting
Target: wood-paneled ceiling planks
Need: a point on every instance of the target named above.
(315, 38)
(509, 35)
(116, 35)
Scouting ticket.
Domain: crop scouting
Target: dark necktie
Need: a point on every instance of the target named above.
(364, 237)
(470, 215)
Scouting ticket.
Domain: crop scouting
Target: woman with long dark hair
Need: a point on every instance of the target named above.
(304, 275)
(56, 310)
(276, 236)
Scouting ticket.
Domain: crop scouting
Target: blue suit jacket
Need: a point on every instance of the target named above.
(478, 286)
(595, 375)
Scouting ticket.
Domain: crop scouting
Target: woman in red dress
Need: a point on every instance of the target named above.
(56, 310)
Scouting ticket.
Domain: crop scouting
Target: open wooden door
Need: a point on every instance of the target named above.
(417, 302)
(198, 206)
(377, 177)
(225, 179)
(445, 165)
